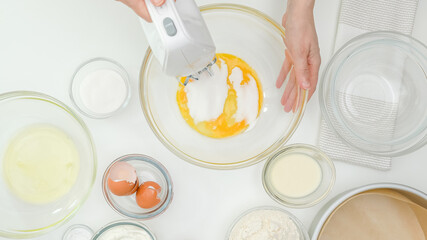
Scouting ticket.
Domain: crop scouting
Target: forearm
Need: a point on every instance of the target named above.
(301, 5)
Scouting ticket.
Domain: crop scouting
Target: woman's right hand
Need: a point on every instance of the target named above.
(140, 7)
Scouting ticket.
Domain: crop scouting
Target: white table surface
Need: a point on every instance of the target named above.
(43, 41)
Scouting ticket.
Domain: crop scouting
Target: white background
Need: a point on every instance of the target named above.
(43, 41)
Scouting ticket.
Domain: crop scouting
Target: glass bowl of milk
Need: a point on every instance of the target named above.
(298, 176)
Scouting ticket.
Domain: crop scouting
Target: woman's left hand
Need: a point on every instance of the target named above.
(302, 60)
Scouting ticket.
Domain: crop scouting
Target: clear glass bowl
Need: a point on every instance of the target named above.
(70, 233)
(301, 230)
(123, 223)
(258, 40)
(326, 183)
(19, 110)
(88, 67)
(372, 93)
(147, 169)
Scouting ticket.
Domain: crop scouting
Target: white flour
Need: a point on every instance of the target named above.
(125, 232)
(265, 224)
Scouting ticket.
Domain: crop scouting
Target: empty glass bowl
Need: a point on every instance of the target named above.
(147, 169)
(258, 40)
(18, 110)
(373, 93)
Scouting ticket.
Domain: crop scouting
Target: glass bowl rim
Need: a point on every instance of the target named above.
(298, 115)
(354, 43)
(153, 162)
(14, 95)
(123, 222)
(300, 148)
(75, 226)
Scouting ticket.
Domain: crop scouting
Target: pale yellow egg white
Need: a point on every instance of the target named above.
(41, 164)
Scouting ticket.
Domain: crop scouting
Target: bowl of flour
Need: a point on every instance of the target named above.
(266, 223)
(124, 230)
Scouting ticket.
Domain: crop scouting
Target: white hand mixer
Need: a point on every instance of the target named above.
(180, 39)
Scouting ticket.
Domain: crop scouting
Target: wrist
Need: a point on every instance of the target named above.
(301, 5)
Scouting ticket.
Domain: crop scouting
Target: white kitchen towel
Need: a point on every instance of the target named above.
(358, 17)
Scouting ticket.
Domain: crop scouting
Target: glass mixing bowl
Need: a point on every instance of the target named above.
(258, 40)
(373, 93)
(19, 219)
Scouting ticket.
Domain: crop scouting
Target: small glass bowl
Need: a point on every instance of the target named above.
(123, 223)
(72, 228)
(147, 169)
(326, 183)
(301, 230)
(372, 93)
(88, 67)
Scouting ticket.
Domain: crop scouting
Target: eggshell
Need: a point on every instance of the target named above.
(122, 179)
(122, 188)
(147, 195)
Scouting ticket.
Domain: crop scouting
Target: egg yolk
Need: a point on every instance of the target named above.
(225, 125)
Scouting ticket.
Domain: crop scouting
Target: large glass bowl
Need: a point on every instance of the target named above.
(19, 219)
(258, 40)
(373, 93)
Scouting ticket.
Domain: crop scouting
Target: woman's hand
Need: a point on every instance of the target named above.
(302, 59)
(140, 7)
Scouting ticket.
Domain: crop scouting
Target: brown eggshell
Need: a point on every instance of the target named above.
(147, 195)
(122, 188)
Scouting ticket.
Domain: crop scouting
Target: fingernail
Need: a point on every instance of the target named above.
(157, 2)
(305, 84)
(288, 106)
